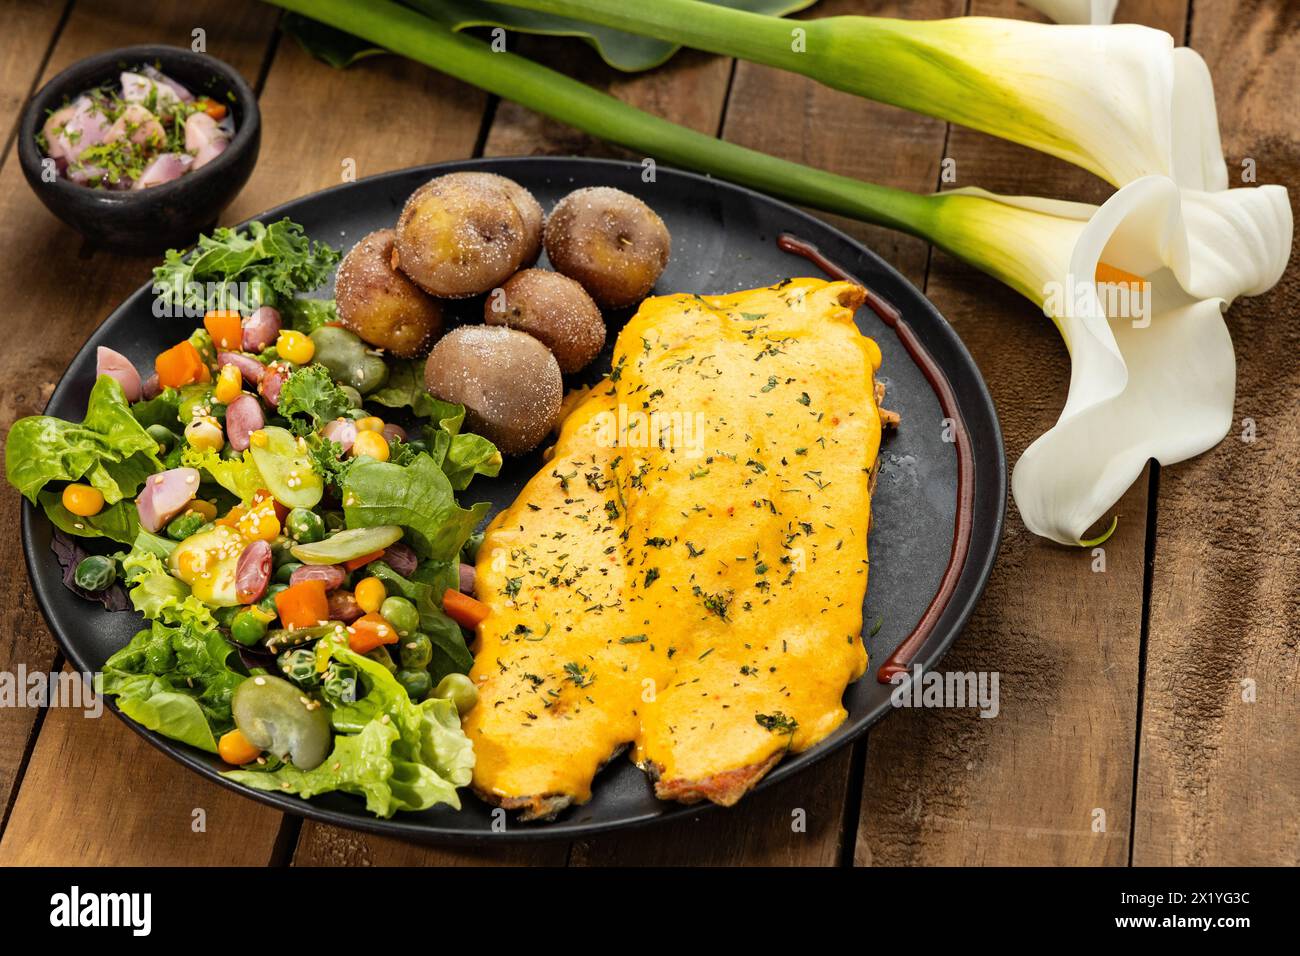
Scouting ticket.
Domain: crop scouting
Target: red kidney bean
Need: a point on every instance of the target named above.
(401, 558)
(151, 388)
(344, 607)
(243, 417)
(119, 368)
(250, 368)
(467, 579)
(253, 572)
(261, 329)
(343, 431)
(271, 383)
(393, 432)
(164, 495)
(332, 574)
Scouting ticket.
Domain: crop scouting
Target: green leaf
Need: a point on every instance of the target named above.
(311, 391)
(120, 522)
(418, 497)
(109, 449)
(405, 389)
(623, 51)
(174, 680)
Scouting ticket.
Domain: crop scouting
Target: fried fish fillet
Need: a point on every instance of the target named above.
(686, 574)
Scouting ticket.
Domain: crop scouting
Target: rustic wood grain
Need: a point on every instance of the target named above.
(27, 31)
(96, 794)
(53, 292)
(1031, 785)
(1219, 772)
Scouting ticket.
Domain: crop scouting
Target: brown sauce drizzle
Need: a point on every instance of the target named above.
(899, 662)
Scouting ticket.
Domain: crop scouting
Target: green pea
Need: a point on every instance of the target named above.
(400, 613)
(248, 627)
(416, 682)
(164, 436)
(304, 525)
(95, 573)
(353, 395)
(460, 690)
(187, 524)
(285, 571)
(416, 651)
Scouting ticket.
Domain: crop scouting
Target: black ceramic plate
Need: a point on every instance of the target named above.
(724, 239)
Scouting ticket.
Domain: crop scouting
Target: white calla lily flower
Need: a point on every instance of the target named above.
(1075, 11)
(1137, 287)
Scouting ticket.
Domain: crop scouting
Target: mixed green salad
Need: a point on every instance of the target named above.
(277, 499)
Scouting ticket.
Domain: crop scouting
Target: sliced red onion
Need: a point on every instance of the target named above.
(164, 169)
(250, 368)
(163, 79)
(343, 431)
(261, 329)
(137, 87)
(119, 368)
(243, 417)
(165, 495)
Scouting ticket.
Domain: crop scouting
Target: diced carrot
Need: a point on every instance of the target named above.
(180, 365)
(463, 609)
(362, 561)
(303, 604)
(214, 109)
(231, 518)
(369, 631)
(226, 328)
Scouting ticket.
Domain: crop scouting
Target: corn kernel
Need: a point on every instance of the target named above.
(295, 347)
(370, 594)
(372, 444)
(83, 500)
(371, 423)
(230, 383)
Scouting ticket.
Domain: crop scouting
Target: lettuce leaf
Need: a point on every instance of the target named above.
(109, 449)
(119, 522)
(240, 476)
(418, 497)
(176, 681)
(160, 596)
(162, 409)
(397, 754)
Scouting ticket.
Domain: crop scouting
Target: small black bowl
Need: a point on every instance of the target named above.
(160, 217)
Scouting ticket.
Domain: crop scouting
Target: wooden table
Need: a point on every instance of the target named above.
(1149, 710)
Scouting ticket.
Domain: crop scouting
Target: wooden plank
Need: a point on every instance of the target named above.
(51, 282)
(27, 31)
(801, 822)
(96, 794)
(1036, 784)
(1219, 768)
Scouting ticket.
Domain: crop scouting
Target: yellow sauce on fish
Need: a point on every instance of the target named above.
(686, 574)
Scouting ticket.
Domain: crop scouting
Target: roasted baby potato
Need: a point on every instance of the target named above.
(553, 309)
(380, 304)
(508, 382)
(461, 234)
(610, 241)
